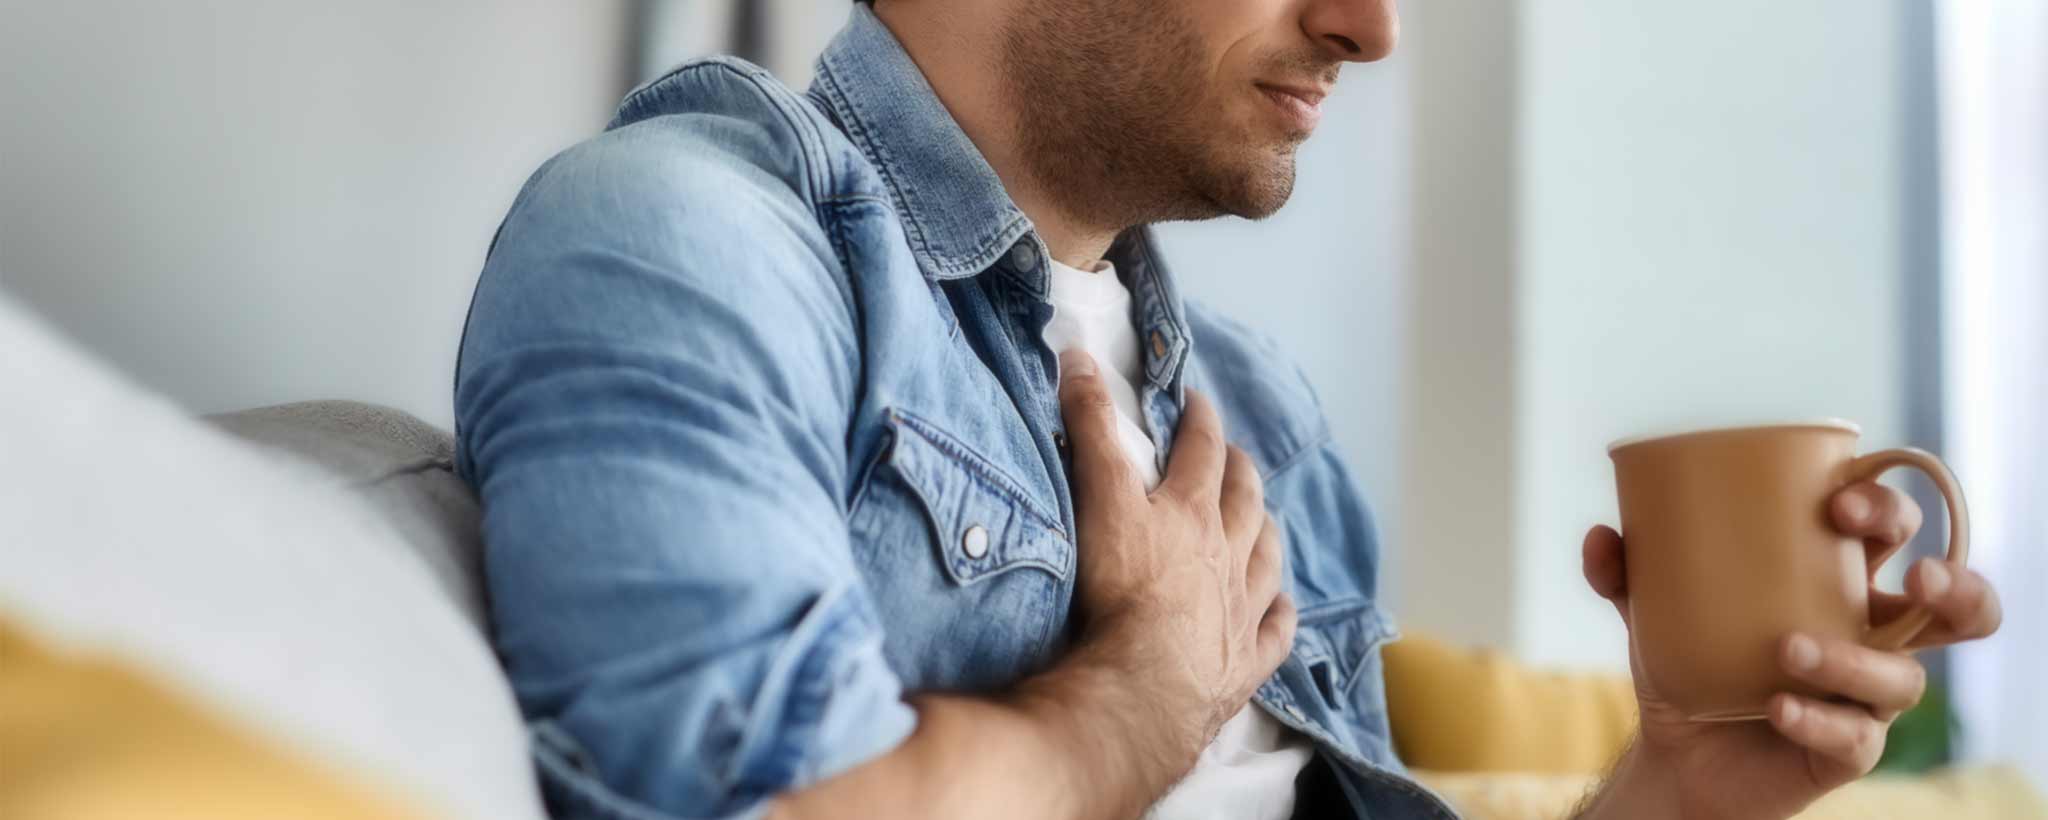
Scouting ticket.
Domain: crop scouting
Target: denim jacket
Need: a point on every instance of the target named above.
(754, 395)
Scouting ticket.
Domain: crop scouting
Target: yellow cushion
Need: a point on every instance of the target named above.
(1463, 710)
(1975, 793)
(91, 739)
(1501, 741)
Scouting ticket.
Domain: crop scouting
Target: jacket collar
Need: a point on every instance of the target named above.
(956, 214)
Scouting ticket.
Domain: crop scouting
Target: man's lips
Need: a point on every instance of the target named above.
(1301, 105)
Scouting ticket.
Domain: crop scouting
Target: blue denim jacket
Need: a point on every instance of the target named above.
(739, 376)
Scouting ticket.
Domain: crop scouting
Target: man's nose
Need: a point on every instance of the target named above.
(1358, 31)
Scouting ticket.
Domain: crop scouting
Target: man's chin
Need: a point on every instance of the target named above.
(1260, 191)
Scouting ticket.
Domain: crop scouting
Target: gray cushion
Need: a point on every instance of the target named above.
(403, 466)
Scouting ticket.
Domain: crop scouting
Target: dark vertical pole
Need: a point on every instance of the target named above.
(1920, 252)
(635, 49)
(750, 31)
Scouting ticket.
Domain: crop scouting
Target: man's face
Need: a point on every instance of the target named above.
(1152, 110)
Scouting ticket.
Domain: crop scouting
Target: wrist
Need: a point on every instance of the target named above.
(1126, 745)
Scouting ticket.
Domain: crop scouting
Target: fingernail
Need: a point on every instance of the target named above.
(1788, 710)
(1934, 579)
(1855, 507)
(1801, 653)
(1077, 363)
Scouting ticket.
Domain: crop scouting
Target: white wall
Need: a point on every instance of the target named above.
(796, 31)
(1710, 201)
(1703, 228)
(1458, 563)
(245, 202)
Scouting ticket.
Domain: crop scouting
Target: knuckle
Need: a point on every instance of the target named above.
(1267, 546)
(1283, 637)
(1177, 503)
(1117, 478)
(1088, 395)
(1268, 549)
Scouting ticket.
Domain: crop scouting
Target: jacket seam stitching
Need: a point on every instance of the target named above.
(850, 118)
(809, 142)
(1315, 442)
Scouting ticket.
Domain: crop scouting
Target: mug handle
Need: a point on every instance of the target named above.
(1903, 629)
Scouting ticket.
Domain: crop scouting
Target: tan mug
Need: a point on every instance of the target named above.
(1730, 548)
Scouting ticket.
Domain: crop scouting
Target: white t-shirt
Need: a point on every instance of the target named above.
(1248, 772)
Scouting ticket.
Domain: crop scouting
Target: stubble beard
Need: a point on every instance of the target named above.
(1111, 107)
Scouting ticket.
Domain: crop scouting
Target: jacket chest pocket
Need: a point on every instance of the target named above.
(971, 573)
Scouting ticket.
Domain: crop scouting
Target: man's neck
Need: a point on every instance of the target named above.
(959, 60)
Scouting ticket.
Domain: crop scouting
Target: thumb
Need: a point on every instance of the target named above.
(1604, 560)
(1100, 469)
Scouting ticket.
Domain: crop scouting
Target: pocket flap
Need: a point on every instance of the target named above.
(1335, 639)
(983, 521)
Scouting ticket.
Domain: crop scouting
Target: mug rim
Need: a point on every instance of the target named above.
(1827, 423)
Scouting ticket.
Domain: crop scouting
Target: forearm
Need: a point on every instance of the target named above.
(1071, 743)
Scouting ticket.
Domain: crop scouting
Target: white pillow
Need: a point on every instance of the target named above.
(252, 579)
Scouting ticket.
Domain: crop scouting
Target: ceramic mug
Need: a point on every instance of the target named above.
(1730, 548)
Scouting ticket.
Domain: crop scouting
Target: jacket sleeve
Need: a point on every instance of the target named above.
(652, 402)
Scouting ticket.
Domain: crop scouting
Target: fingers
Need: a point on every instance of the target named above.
(1887, 682)
(1276, 632)
(1244, 497)
(1844, 734)
(1883, 517)
(1194, 471)
(1262, 570)
(1964, 604)
(1100, 469)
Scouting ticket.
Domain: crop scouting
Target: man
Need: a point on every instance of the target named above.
(851, 453)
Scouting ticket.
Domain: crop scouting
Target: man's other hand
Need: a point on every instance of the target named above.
(1808, 746)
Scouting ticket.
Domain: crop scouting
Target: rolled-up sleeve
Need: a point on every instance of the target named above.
(652, 402)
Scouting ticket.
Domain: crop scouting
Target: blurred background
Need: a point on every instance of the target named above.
(1543, 225)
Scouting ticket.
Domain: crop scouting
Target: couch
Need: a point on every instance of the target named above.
(296, 590)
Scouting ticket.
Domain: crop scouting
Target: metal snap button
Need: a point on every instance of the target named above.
(1023, 257)
(975, 541)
